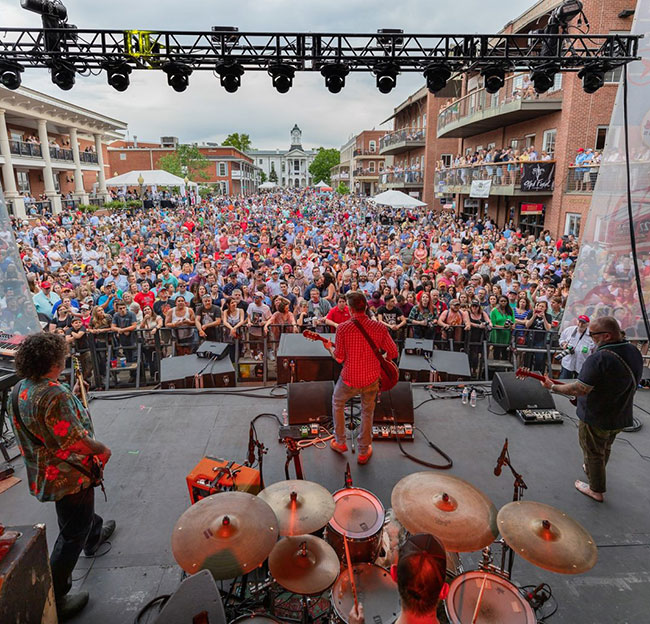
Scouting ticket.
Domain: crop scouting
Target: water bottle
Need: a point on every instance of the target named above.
(464, 396)
(285, 417)
(472, 398)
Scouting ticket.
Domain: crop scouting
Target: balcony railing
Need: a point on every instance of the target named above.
(58, 153)
(415, 177)
(365, 152)
(582, 179)
(401, 140)
(37, 207)
(70, 204)
(88, 157)
(21, 148)
(341, 176)
(361, 172)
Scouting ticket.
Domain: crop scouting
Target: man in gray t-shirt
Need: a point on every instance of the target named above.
(257, 313)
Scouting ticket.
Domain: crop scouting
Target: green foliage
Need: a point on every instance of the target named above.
(88, 208)
(262, 177)
(241, 141)
(325, 159)
(188, 161)
(116, 204)
(343, 189)
(273, 176)
(208, 189)
(134, 203)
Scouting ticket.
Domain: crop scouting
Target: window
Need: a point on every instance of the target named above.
(372, 146)
(601, 138)
(371, 166)
(261, 161)
(381, 166)
(16, 136)
(530, 140)
(447, 159)
(514, 143)
(557, 83)
(479, 148)
(614, 75)
(222, 169)
(548, 142)
(491, 146)
(57, 182)
(122, 156)
(424, 120)
(572, 223)
(23, 182)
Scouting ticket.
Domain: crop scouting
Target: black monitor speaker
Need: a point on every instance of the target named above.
(513, 394)
(309, 402)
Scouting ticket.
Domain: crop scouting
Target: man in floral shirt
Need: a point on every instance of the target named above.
(56, 439)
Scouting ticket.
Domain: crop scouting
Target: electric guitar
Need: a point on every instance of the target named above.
(388, 372)
(522, 373)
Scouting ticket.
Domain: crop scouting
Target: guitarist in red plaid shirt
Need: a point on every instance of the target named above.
(360, 374)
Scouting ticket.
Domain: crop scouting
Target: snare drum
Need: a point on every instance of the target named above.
(501, 602)
(359, 515)
(376, 590)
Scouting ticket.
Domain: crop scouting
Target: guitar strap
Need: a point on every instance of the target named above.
(372, 345)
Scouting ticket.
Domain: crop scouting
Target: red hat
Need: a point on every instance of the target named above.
(584, 318)
(581, 149)
(46, 285)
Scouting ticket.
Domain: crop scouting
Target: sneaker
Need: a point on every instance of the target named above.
(339, 448)
(363, 458)
(70, 605)
(107, 531)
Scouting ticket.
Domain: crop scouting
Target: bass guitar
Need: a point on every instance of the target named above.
(522, 373)
(388, 372)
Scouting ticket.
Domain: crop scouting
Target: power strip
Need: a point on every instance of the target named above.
(388, 432)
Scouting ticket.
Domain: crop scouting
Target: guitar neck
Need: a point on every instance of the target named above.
(538, 377)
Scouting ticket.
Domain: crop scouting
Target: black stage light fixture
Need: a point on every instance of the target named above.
(117, 75)
(386, 76)
(63, 74)
(436, 76)
(543, 78)
(10, 74)
(230, 75)
(282, 76)
(494, 77)
(567, 11)
(334, 74)
(592, 78)
(178, 75)
(386, 41)
(46, 7)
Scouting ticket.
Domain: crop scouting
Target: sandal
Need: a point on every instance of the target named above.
(584, 488)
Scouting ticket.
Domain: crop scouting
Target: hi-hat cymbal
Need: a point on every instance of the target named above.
(304, 564)
(547, 537)
(300, 506)
(230, 534)
(451, 509)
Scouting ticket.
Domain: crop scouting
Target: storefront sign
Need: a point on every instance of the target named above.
(532, 209)
(537, 176)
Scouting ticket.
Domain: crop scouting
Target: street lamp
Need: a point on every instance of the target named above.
(187, 181)
(141, 183)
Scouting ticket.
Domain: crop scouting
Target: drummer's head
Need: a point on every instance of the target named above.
(420, 574)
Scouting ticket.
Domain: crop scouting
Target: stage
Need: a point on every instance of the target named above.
(158, 438)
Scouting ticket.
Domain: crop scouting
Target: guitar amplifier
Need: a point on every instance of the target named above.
(300, 359)
(213, 475)
(180, 371)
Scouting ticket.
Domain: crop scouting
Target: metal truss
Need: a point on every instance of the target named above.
(147, 49)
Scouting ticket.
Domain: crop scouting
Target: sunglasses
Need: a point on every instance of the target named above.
(597, 333)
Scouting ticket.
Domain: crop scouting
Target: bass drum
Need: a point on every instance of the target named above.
(501, 602)
(255, 618)
(376, 590)
(359, 515)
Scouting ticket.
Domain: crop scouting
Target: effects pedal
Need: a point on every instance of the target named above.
(389, 432)
(540, 416)
(299, 432)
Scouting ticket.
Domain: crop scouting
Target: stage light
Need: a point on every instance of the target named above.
(178, 75)
(494, 78)
(282, 76)
(10, 74)
(543, 78)
(63, 74)
(334, 74)
(386, 77)
(117, 75)
(436, 76)
(230, 76)
(567, 11)
(592, 78)
(45, 7)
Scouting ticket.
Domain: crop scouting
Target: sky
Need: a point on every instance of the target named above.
(205, 112)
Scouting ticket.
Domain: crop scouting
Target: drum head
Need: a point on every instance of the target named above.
(358, 513)
(255, 618)
(376, 590)
(501, 602)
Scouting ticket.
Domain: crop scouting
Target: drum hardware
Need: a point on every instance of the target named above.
(293, 454)
(486, 564)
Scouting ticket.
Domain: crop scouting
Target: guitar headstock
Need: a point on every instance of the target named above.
(311, 335)
(522, 372)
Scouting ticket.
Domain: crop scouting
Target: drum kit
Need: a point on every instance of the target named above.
(307, 541)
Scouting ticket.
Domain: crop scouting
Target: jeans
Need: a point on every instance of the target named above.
(596, 445)
(565, 373)
(342, 393)
(79, 526)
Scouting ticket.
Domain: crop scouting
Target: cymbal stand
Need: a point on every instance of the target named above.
(293, 453)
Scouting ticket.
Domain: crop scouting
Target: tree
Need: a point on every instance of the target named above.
(343, 189)
(262, 177)
(188, 161)
(273, 176)
(320, 167)
(241, 141)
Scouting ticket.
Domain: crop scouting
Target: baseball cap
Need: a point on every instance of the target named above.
(258, 293)
(85, 306)
(46, 285)
(584, 318)
(580, 149)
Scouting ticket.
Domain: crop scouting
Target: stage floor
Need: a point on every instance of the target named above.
(157, 438)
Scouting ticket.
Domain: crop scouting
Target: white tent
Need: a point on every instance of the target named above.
(397, 199)
(323, 184)
(156, 177)
(267, 185)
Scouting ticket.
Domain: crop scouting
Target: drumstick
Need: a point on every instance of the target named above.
(478, 601)
(351, 573)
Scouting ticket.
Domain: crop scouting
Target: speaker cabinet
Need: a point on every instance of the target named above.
(180, 371)
(300, 359)
(513, 394)
(309, 402)
(399, 399)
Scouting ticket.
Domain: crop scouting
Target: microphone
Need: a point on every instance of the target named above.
(502, 459)
(251, 446)
(348, 476)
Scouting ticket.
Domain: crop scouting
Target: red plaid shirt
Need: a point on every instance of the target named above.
(360, 365)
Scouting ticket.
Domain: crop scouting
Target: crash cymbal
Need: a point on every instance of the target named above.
(304, 564)
(547, 537)
(300, 506)
(230, 534)
(451, 509)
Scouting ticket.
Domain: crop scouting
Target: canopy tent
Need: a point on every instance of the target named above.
(267, 185)
(323, 186)
(156, 177)
(397, 199)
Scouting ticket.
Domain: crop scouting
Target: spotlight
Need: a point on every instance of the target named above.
(386, 41)
(118, 75)
(437, 75)
(282, 76)
(46, 7)
(334, 74)
(592, 78)
(178, 75)
(230, 76)
(10, 74)
(386, 77)
(494, 78)
(567, 11)
(63, 75)
(543, 78)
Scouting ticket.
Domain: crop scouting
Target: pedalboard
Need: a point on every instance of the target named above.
(299, 432)
(390, 432)
(540, 416)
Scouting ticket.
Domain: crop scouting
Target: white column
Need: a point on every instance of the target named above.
(10, 189)
(101, 179)
(48, 173)
(79, 192)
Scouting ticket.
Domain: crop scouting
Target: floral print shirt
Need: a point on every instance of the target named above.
(57, 417)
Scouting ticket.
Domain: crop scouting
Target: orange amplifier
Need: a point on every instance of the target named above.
(213, 474)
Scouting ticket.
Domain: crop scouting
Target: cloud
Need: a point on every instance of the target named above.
(206, 112)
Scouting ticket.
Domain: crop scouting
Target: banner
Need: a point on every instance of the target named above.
(480, 189)
(532, 208)
(537, 176)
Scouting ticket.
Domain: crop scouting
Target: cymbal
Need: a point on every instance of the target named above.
(230, 534)
(304, 564)
(547, 537)
(450, 508)
(300, 506)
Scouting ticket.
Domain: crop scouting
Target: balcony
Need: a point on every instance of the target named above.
(480, 111)
(88, 157)
(365, 152)
(34, 150)
(365, 174)
(344, 175)
(582, 180)
(58, 153)
(505, 177)
(402, 141)
(20, 148)
(402, 179)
